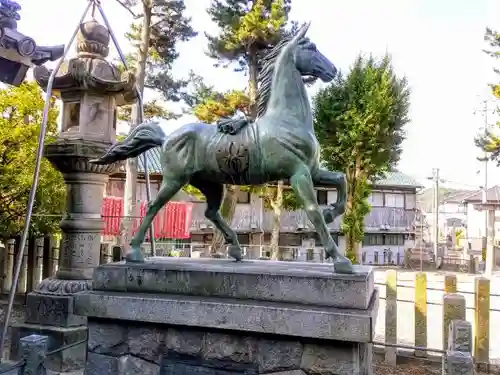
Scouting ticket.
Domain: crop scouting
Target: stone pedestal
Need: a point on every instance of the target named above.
(214, 316)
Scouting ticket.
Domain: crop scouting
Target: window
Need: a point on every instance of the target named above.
(322, 196)
(394, 200)
(243, 196)
(375, 257)
(383, 239)
(394, 239)
(373, 240)
(363, 257)
(332, 196)
(410, 201)
(376, 199)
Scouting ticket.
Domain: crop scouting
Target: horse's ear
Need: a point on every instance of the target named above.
(301, 33)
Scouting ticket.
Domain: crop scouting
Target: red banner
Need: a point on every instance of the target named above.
(173, 220)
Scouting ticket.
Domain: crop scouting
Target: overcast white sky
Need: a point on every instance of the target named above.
(436, 44)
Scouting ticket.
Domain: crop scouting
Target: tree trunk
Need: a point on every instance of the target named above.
(130, 190)
(253, 74)
(276, 204)
(350, 240)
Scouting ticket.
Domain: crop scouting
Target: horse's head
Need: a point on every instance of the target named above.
(309, 61)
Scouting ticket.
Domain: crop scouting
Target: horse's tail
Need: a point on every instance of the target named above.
(144, 137)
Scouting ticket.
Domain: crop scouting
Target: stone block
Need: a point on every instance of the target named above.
(255, 316)
(129, 365)
(100, 364)
(67, 360)
(147, 343)
(107, 338)
(184, 342)
(52, 310)
(453, 309)
(338, 359)
(278, 355)
(297, 282)
(175, 365)
(460, 336)
(459, 363)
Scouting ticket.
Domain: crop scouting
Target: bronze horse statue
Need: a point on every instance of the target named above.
(279, 145)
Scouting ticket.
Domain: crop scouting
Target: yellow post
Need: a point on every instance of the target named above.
(453, 309)
(391, 315)
(482, 320)
(421, 313)
(450, 284)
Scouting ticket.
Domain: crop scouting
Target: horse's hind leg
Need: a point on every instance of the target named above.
(168, 189)
(303, 187)
(214, 192)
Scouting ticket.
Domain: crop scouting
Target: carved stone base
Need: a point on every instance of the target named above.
(67, 360)
(58, 287)
(52, 302)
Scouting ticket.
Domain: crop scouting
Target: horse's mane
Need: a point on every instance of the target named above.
(265, 78)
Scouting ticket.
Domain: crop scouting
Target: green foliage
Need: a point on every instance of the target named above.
(191, 190)
(489, 141)
(359, 120)
(269, 192)
(169, 25)
(152, 110)
(22, 109)
(246, 27)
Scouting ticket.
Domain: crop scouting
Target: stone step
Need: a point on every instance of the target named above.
(319, 322)
(263, 280)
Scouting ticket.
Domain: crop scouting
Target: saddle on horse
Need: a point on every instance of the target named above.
(231, 125)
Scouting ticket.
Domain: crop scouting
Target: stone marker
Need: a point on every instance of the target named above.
(186, 316)
(453, 309)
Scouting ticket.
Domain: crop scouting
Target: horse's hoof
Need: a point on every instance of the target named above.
(235, 252)
(134, 256)
(343, 265)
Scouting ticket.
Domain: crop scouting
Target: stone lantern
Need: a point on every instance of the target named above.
(90, 89)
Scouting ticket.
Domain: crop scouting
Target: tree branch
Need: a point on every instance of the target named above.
(128, 9)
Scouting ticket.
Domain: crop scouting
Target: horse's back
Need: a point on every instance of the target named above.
(217, 157)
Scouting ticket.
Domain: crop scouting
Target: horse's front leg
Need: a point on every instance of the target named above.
(337, 180)
(302, 185)
(168, 189)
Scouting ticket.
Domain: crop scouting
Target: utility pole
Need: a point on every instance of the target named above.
(435, 174)
(484, 198)
(435, 227)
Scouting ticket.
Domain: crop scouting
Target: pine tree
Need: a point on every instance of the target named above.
(247, 29)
